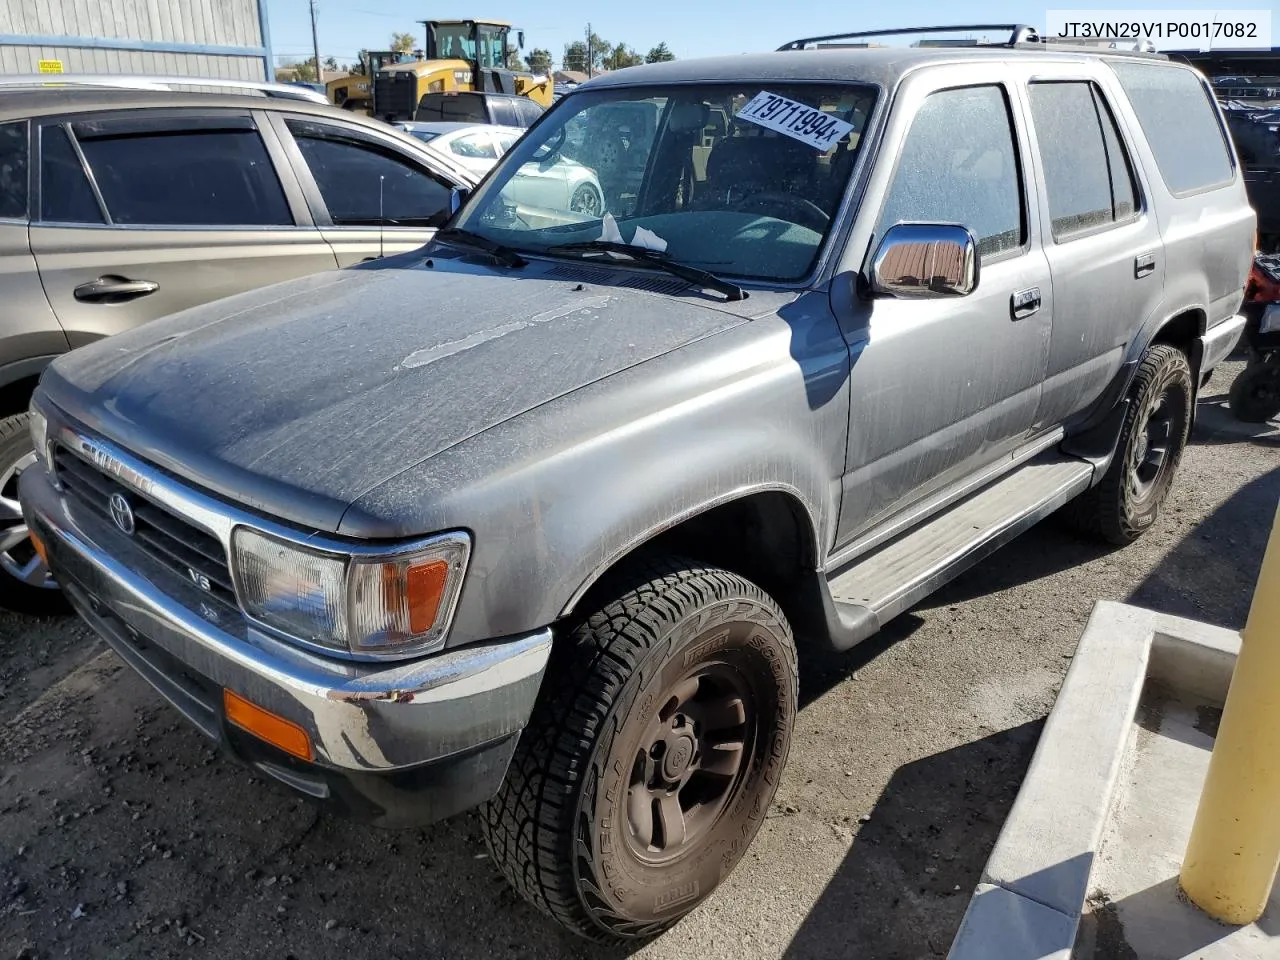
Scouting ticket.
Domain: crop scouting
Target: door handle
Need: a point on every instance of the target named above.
(113, 289)
(1143, 265)
(1024, 303)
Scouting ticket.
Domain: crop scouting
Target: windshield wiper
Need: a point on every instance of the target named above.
(505, 255)
(658, 259)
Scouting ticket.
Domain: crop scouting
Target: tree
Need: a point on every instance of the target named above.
(331, 63)
(540, 60)
(622, 56)
(659, 54)
(361, 66)
(513, 58)
(290, 70)
(575, 54)
(403, 42)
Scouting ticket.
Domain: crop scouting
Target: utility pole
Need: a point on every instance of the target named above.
(591, 57)
(315, 43)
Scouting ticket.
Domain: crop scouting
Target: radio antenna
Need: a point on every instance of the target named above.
(382, 223)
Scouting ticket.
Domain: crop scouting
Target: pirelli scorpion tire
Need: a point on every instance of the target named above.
(653, 753)
(1127, 501)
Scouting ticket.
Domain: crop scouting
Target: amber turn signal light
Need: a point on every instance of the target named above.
(424, 589)
(38, 544)
(265, 725)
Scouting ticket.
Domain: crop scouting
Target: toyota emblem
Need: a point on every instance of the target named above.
(122, 514)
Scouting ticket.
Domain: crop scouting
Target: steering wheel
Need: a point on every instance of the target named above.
(809, 213)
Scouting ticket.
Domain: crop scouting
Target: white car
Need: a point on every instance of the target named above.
(563, 184)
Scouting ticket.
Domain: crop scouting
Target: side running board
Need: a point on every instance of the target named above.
(872, 589)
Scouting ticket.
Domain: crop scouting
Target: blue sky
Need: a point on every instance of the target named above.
(689, 27)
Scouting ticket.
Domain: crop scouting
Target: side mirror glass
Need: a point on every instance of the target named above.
(457, 196)
(917, 261)
(520, 39)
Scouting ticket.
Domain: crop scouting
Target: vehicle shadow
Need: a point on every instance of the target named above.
(907, 878)
(1216, 424)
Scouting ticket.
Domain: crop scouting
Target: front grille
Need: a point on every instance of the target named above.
(191, 553)
(396, 95)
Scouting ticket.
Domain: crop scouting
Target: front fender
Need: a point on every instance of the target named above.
(556, 496)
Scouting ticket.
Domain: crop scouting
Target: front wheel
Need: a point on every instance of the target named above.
(586, 199)
(1126, 502)
(26, 585)
(1255, 394)
(653, 753)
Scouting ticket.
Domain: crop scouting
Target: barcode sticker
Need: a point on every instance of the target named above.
(818, 129)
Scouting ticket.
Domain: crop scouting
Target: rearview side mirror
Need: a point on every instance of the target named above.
(457, 197)
(917, 261)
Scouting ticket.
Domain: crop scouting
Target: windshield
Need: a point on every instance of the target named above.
(741, 180)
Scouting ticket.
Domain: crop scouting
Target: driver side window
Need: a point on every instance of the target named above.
(958, 164)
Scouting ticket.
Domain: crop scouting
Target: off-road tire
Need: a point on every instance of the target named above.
(16, 445)
(559, 828)
(1113, 509)
(1255, 393)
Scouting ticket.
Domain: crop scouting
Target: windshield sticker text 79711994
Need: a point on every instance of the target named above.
(818, 129)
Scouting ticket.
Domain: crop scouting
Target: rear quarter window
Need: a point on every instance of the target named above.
(1181, 124)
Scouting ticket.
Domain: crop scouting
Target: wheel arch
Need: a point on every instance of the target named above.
(18, 381)
(766, 534)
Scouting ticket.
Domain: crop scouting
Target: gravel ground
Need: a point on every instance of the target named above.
(122, 834)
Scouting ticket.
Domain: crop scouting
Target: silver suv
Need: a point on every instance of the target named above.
(543, 539)
(120, 206)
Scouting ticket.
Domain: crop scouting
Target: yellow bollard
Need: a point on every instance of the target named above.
(1234, 849)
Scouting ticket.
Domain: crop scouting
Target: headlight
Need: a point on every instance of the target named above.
(1270, 319)
(39, 431)
(390, 603)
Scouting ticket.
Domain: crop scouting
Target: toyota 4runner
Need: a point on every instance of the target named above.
(532, 518)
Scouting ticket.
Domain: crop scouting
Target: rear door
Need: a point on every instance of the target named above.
(142, 213)
(1102, 239)
(31, 331)
(369, 195)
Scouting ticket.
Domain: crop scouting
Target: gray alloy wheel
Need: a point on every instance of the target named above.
(27, 585)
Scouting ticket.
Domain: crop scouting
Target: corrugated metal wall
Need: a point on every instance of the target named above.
(120, 23)
(87, 60)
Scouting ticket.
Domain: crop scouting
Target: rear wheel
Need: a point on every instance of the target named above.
(653, 753)
(1127, 501)
(26, 585)
(1255, 394)
(586, 199)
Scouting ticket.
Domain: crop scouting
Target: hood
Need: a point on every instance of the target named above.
(297, 398)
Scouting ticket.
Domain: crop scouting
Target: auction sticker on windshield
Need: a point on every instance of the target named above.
(818, 129)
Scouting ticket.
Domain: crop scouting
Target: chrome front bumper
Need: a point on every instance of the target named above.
(362, 718)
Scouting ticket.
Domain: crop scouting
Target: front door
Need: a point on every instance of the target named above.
(141, 215)
(941, 387)
(369, 198)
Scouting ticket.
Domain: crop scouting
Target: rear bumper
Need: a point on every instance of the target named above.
(395, 744)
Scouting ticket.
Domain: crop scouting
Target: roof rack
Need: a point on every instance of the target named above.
(1018, 33)
(149, 82)
(1020, 37)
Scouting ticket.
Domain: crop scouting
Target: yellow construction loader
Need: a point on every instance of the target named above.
(461, 55)
(355, 91)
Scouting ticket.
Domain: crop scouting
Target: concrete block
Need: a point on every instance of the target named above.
(1193, 658)
(1046, 849)
(1001, 925)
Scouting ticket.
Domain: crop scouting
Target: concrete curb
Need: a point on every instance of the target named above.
(1028, 903)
